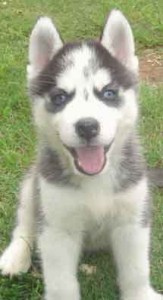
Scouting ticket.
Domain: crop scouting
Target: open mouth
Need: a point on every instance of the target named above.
(90, 160)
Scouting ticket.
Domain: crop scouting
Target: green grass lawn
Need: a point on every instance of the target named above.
(76, 19)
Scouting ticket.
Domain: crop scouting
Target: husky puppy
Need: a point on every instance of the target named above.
(88, 188)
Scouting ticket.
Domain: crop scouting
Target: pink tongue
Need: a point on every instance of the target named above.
(91, 159)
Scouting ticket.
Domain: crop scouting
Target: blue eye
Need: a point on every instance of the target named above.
(109, 94)
(59, 98)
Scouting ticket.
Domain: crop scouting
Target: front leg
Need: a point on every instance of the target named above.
(17, 256)
(131, 251)
(60, 253)
(60, 241)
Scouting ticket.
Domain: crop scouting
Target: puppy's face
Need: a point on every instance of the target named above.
(83, 94)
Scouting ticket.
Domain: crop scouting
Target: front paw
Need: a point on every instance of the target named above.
(62, 290)
(147, 294)
(156, 296)
(16, 258)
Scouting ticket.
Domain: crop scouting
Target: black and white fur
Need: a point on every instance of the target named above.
(60, 206)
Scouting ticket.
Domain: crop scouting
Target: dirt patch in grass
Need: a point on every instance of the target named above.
(151, 66)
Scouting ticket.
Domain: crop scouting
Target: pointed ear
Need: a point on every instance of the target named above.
(118, 39)
(44, 42)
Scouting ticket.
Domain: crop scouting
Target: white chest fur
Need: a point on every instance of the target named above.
(93, 201)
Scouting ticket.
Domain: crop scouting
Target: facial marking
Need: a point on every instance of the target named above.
(86, 94)
(83, 74)
(101, 79)
(79, 74)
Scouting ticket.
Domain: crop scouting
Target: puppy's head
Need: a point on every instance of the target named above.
(84, 94)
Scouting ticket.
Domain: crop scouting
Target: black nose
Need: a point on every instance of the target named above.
(87, 128)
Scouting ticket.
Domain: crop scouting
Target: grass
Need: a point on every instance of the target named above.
(76, 19)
